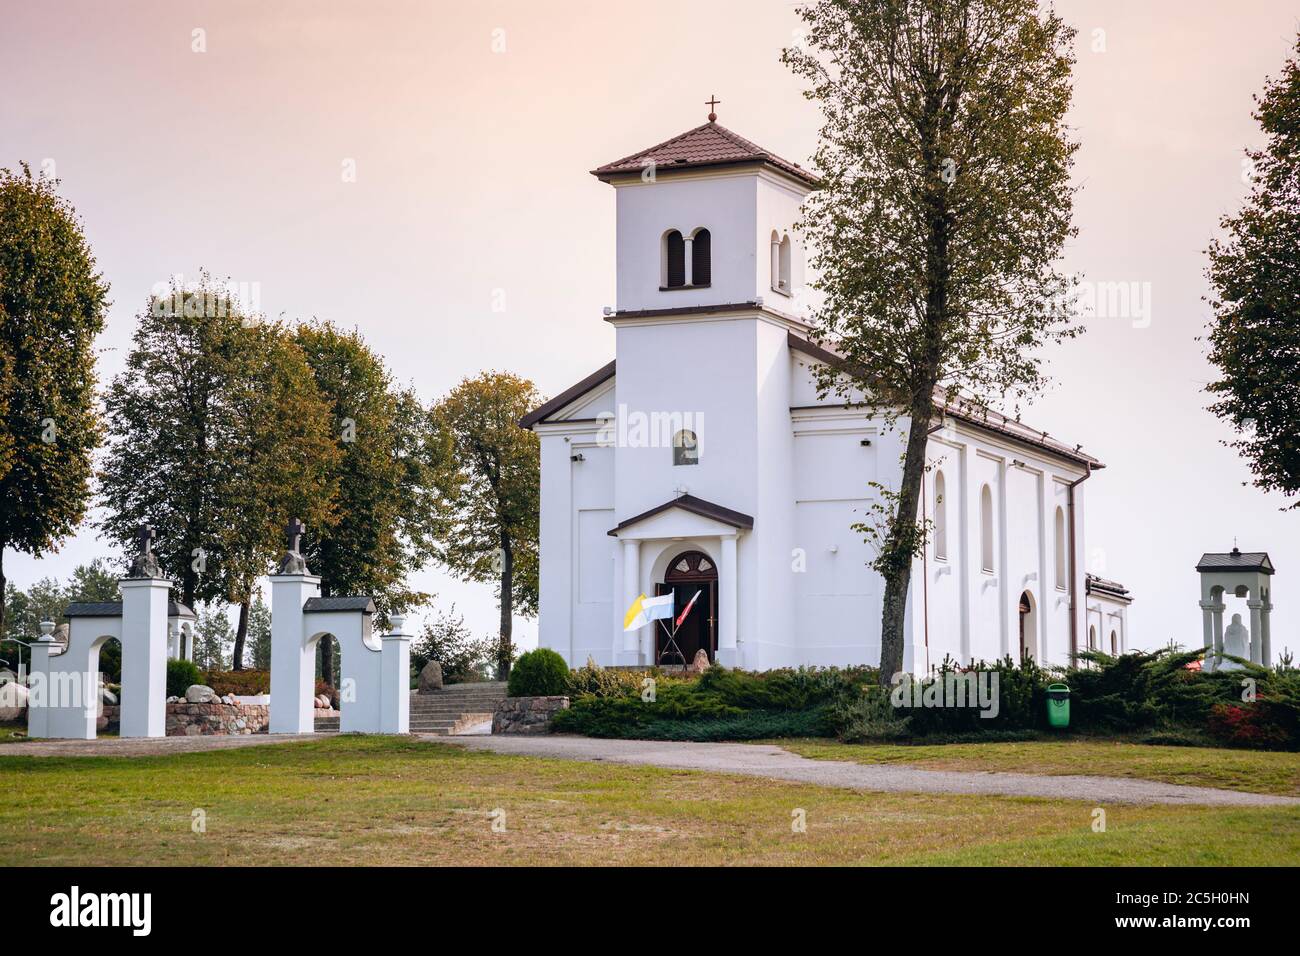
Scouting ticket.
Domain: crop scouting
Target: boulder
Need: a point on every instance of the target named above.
(107, 696)
(13, 700)
(701, 662)
(200, 694)
(430, 678)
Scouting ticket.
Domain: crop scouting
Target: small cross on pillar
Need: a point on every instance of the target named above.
(712, 103)
(145, 535)
(293, 534)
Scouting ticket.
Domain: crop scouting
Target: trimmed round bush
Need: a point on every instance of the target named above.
(539, 673)
(180, 675)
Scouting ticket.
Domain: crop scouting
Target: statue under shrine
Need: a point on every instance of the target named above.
(1236, 641)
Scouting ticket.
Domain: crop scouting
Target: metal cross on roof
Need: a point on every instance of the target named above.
(712, 103)
(145, 535)
(293, 532)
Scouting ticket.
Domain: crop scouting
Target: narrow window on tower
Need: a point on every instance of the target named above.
(701, 258)
(674, 258)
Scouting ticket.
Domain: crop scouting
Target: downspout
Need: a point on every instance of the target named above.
(1074, 615)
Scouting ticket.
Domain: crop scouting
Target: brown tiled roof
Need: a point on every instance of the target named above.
(696, 506)
(707, 145)
(968, 411)
(1236, 560)
(601, 375)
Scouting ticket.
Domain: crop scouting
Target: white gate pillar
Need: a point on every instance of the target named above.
(395, 680)
(293, 663)
(144, 656)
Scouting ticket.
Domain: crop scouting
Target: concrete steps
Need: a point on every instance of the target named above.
(452, 710)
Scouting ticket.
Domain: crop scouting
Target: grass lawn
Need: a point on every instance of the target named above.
(1249, 770)
(358, 800)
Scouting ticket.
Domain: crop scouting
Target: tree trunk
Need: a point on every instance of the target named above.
(507, 608)
(241, 633)
(3, 632)
(326, 660)
(899, 543)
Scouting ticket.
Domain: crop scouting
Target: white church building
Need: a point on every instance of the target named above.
(702, 460)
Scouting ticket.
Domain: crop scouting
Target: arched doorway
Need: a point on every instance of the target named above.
(1028, 627)
(689, 573)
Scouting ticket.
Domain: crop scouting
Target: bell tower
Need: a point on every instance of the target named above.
(707, 219)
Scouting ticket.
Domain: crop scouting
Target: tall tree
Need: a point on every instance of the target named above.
(170, 425)
(212, 638)
(52, 305)
(945, 204)
(281, 461)
(1255, 273)
(492, 489)
(218, 436)
(259, 634)
(384, 472)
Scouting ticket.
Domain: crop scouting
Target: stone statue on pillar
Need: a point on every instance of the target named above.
(293, 562)
(145, 565)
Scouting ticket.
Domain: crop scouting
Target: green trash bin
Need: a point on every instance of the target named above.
(1058, 705)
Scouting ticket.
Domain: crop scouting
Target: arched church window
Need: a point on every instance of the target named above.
(986, 528)
(1062, 581)
(686, 448)
(1114, 644)
(783, 281)
(674, 254)
(701, 258)
(1092, 638)
(940, 517)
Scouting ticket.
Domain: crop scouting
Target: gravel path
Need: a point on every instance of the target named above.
(763, 760)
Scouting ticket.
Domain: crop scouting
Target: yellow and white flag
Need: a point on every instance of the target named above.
(644, 610)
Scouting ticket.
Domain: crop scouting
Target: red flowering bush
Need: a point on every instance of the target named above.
(1262, 725)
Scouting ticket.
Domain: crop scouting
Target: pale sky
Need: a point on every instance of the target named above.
(471, 128)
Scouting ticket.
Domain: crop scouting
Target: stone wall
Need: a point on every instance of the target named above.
(527, 715)
(196, 720)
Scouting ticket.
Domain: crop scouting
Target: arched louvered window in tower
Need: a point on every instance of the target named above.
(701, 258)
(674, 260)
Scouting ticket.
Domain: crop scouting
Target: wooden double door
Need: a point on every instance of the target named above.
(689, 573)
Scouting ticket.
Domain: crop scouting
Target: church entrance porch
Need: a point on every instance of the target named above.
(691, 576)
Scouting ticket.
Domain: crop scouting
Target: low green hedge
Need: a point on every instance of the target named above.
(721, 704)
(1148, 696)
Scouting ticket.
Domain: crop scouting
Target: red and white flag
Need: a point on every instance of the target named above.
(686, 610)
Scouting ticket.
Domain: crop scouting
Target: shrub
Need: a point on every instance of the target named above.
(1262, 725)
(243, 683)
(180, 675)
(539, 673)
(721, 704)
(448, 641)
